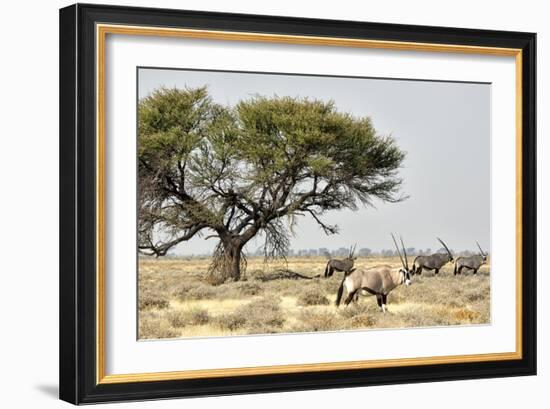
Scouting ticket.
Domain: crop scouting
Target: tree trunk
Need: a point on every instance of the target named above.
(232, 263)
(226, 262)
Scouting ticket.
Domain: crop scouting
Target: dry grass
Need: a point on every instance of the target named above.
(176, 301)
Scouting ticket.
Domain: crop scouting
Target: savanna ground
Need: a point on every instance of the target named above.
(175, 300)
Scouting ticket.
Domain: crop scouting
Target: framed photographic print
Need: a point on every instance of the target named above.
(257, 203)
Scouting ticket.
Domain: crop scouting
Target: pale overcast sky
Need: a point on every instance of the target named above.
(444, 128)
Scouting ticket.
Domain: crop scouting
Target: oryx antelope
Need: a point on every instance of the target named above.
(432, 262)
(378, 281)
(471, 262)
(344, 265)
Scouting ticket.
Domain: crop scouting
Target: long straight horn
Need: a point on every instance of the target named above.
(405, 253)
(353, 251)
(444, 245)
(397, 248)
(479, 247)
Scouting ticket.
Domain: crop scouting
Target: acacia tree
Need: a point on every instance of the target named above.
(231, 173)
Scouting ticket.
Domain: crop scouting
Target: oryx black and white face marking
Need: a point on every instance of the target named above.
(406, 274)
(482, 253)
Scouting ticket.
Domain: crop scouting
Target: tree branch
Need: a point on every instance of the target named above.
(326, 228)
(162, 248)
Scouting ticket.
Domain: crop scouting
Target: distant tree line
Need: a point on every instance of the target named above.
(363, 252)
(343, 252)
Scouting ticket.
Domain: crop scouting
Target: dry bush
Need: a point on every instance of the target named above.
(263, 315)
(359, 314)
(153, 326)
(180, 291)
(202, 292)
(315, 321)
(312, 296)
(474, 296)
(199, 292)
(238, 290)
(150, 302)
(356, 308)
(465, 315)
(195, 316)
(199, 317)
(231, 321)
(257, 317)
(362, 321)
(246, 288)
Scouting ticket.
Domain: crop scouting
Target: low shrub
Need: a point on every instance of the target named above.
(257, 317)
(464, 315)
(152, 326)
(181, 290)
(232, 321)
(474, 296)
(247, 288)
(151, 302)
(195, 316)
(199, 316)
(356, 308)
(312, 321)
(312, 297)
(199, 292)
(362, 321)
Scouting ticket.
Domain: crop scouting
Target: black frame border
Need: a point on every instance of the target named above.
(77, 255)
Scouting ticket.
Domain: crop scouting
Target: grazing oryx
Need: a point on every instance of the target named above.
(471, 262)
(433, 262)
(344, 265)
(377, 281)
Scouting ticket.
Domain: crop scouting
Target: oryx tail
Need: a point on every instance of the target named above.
(340, 292)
